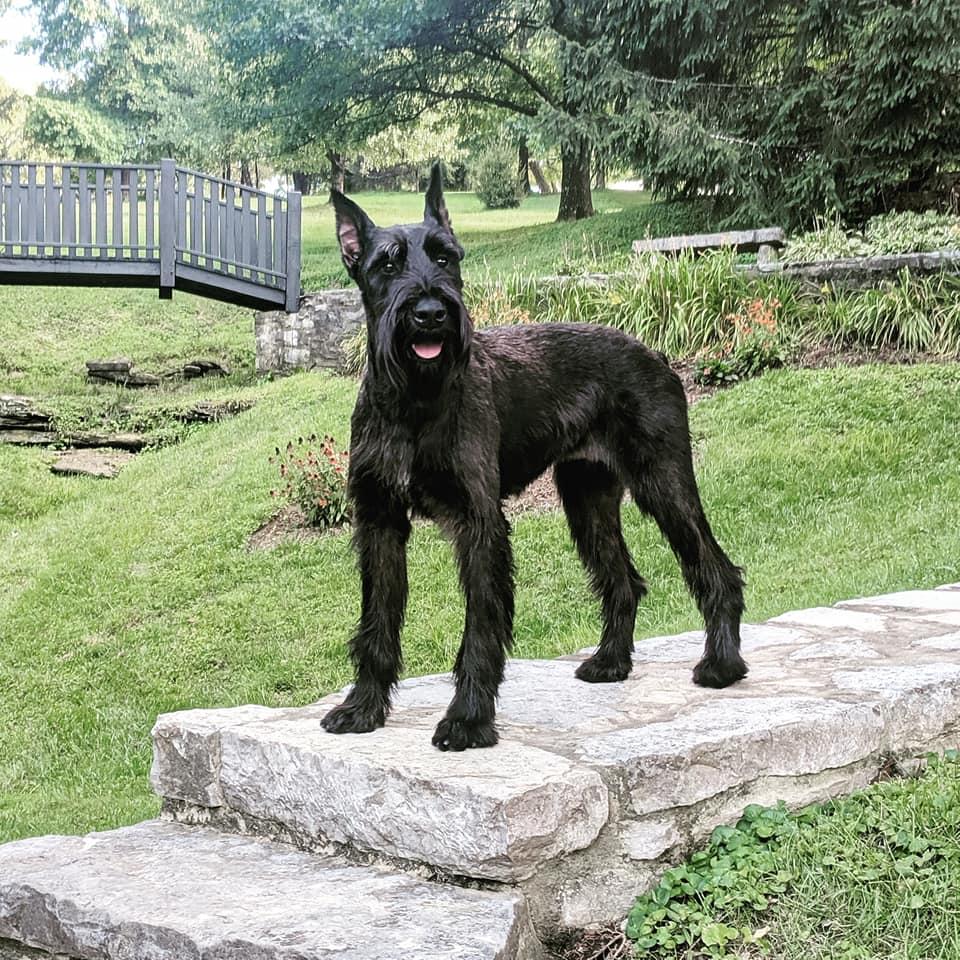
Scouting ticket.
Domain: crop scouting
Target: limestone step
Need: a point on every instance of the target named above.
(593, 788)
(164, 891)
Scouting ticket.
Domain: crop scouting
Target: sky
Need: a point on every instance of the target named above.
(22, 72)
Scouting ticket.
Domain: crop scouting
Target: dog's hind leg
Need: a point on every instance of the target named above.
(486, 575)
(668, 492)
(380, 537)
(591, 496)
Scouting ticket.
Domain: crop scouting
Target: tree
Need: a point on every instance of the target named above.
(145, 70)
(68, 129)
(351, 70)
(13, 113)
(778, 108)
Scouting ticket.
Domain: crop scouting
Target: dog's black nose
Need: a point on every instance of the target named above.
(429, 312)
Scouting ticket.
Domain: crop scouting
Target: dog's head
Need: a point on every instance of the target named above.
(409, 275)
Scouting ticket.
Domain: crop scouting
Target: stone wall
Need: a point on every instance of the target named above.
(311, 338)
(314, 337)
(859, 273)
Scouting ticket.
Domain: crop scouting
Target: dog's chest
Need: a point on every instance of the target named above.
(435, 488)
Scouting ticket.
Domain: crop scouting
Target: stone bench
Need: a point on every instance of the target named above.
(274, 832)
(764, 242)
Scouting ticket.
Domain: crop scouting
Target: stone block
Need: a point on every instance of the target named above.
(733, 740)
(493, 814)
(917, 601)
(163, 891)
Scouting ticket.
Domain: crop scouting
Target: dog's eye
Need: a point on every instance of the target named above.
(390, 267)
(441, 260)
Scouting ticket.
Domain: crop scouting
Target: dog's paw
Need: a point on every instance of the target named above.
(719, 673)
(596, 670)
(353, 718)
(460, 735)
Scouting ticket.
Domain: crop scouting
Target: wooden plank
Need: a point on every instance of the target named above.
(11, 209)
(292, 265)
(280, 238)
(744, 241)
(133, 214)
(263, 237)
(168, 227)
(231, 224)
(150, 212)
(196, 220)
(86, 232)
(100, 199)
(213, 227)
(68, 206)
(116, 234)
(30, 214)
(181, 182)
(246, 241)
(209, 202)
(51, 198)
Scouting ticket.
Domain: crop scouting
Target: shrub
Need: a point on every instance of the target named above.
(495, 178)
(314, 480)
(754, 345)
(886, 234)
(910, 232)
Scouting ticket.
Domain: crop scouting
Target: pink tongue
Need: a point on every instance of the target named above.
(427, 351)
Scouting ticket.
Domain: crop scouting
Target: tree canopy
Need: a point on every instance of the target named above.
(775, 109)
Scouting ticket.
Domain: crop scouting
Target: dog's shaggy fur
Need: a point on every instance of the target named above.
(450, 421)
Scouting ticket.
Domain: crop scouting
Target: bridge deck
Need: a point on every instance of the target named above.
(157, 226)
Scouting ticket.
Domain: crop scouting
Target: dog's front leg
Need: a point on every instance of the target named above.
(380, 536)
(486, 574)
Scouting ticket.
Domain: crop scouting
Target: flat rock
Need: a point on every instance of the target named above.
(830, 691)
(121, 372)
(103, 464)
(492, 814)
(162, 891)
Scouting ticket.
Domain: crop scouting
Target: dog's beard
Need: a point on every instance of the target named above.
(401, 353)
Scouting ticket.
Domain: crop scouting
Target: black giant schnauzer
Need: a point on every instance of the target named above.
(449, 421)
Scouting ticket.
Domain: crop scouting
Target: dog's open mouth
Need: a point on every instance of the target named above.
(428, 349)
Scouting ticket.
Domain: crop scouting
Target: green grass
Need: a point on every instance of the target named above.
(503, 241)
(863, 878)
(47, 333)
(122, 600)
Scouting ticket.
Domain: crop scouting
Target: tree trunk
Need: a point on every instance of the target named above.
(523, 166)
(599, 174)
(336, 170)
(302, 182)
(576, 202)
(542, 184)
(245, 177)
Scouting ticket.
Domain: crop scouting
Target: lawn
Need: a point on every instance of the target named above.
(122, 600)
(47, 333)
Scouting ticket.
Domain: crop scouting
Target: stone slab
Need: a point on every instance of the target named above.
(916, 601)
(593, 789)
(491, 814)
(101, 464)
(163, 891)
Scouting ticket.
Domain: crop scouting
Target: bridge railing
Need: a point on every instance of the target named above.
(148, 225)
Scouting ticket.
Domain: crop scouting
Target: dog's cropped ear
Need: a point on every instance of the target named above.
(353, 229)
(435, 208)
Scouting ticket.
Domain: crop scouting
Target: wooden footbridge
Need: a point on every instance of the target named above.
(163, 226)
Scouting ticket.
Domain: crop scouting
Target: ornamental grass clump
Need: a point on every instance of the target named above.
(313, 474)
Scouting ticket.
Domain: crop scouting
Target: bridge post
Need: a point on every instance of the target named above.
(293, 252)
(168, 228)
